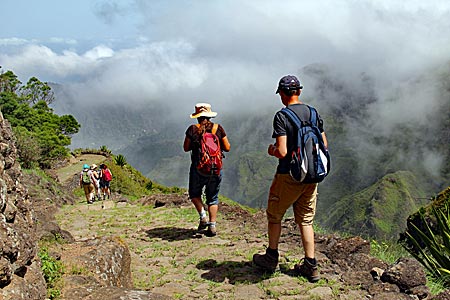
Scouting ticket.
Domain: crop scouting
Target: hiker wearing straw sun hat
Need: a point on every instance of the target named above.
(96, 174)
(206, 141)
(203, 110)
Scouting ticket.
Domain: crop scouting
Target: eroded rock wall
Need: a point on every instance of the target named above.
(20, 273)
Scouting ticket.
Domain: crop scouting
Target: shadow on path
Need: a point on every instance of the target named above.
(173, 233)
(235, 272)
(239, 272)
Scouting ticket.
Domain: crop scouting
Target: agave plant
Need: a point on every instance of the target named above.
(431, 245)
(120, 160)
(105, 149)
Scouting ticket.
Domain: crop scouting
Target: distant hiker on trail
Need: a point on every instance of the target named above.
(285, 190)
(206, 141)
(87, 182)
(96, 173)
(105, 181)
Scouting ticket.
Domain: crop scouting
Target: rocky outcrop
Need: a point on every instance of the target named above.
(20, 272)
(105, 262)
(167, 200)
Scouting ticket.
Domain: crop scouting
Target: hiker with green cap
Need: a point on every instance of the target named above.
(285, 190)
(206, 141)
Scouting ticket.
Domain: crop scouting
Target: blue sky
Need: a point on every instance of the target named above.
(66, 19)
(117, 50)
(54, 22)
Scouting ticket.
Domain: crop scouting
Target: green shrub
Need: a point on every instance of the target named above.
(149, 185)
(127, 180)
(28, 148)
(77, 152)
(53, 270)
(120, 160)
(105, 149)
(42, 136)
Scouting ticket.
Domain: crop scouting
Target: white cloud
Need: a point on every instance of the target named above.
(58, 40)
(146, 64)
(99, 52)
(13, 41)
(44, 63)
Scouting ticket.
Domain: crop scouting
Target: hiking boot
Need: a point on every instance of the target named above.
(202, 224)
(266, 261)
(308, 270)
(212, 231)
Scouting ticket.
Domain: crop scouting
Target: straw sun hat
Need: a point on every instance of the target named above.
(203, 110)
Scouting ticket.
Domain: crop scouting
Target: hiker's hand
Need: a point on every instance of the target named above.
(271, 149)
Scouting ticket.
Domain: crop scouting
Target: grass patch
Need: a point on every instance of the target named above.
(388, 251)
(234, 203)
(436, 286)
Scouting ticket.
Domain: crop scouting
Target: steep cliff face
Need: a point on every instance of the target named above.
(20, 273)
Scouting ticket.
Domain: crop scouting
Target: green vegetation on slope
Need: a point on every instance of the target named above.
(380, 210)
(253, 173)
(127, 181)
(42, 137)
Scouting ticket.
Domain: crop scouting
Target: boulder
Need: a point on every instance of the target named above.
(408, 275)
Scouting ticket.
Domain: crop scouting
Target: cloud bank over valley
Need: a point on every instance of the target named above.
(377, 54)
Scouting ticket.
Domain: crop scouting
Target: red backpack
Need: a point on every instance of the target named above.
(210, 162)
(106, 174)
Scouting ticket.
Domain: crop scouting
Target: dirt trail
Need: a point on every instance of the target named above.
(75, 165)
(170, 257)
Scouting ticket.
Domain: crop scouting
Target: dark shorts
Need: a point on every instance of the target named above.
(104, 184)
(211, 184)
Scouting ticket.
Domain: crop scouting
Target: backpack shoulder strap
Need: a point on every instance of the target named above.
(313, 115)
(292, 116)
(215, 127)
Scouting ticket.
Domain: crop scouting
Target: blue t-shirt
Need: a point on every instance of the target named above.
(282, 126)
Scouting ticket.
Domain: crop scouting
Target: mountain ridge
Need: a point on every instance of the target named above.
(381, 209)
